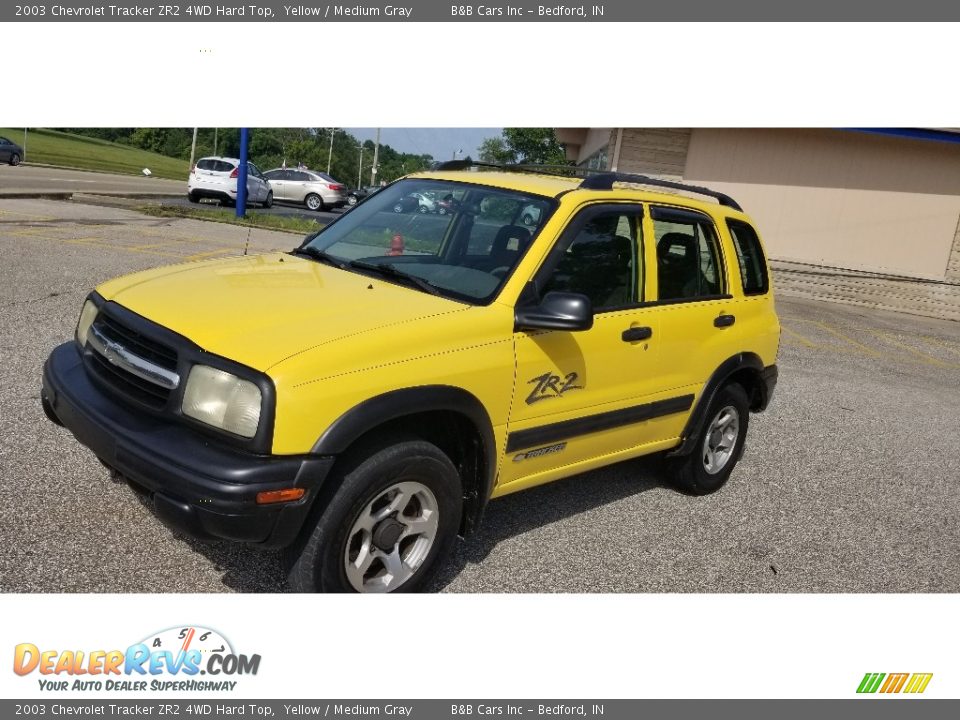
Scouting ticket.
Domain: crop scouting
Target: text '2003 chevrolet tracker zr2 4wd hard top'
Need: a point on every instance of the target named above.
(358, 400)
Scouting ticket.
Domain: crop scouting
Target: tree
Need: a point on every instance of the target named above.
(535, 145)
(524, 145)
(495, 150)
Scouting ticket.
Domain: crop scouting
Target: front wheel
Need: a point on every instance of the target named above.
(719, 444)
(15, 159)
(351, 199)
(423, 209)
(387, 528)
(268, 203)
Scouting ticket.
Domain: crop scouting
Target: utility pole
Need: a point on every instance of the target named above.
(376, 157)
(360, 170)
(330, 154)
(193, 148)
(24, 145)
(215, 140)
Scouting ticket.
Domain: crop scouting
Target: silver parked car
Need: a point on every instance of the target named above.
(316, 190)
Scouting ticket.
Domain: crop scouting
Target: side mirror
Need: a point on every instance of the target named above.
(557, 311)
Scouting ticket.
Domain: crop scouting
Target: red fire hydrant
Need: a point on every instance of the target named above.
(396, 245)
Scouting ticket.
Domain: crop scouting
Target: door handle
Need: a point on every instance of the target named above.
(636, 333)
(724, 321)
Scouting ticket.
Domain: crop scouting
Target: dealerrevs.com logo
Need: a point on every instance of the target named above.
(892, 683)
(173, 660)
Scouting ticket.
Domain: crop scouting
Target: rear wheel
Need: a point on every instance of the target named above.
(314, 202)
(388, 526)
(718, 447)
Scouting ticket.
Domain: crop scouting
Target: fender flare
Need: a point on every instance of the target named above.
(740, 361)
(375, 411)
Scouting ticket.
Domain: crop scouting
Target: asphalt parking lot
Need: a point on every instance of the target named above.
(849, 482)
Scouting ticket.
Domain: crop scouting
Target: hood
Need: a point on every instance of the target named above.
(259, 310)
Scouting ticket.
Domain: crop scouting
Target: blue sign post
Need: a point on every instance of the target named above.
(242, 175)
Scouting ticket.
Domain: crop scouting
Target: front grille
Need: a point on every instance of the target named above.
(136, 343)
(120, 379)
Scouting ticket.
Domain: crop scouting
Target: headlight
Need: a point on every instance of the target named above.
(87, 316)
(223, 400)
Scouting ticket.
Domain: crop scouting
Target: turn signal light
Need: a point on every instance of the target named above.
(278, 496)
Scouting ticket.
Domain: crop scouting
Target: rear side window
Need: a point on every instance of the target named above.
(753, 267)
(689, 264)
(215, 165)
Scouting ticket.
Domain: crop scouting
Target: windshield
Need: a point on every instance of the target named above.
(462, 240)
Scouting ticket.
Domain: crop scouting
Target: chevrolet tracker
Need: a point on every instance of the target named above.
(358, 400)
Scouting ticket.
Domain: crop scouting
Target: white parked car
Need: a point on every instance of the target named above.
(316, 190)
(216, 178)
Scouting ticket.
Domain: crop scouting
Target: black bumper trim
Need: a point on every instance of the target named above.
(199, 487)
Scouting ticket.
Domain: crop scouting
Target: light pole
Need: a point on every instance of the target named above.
(330, 154)
(193, 148)
(376, 159)
(360, 169)
(24, 144)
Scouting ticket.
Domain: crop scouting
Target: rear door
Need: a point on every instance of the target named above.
(580, 396)
(697, 312)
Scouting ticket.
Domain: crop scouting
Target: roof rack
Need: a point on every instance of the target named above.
(592, 179)
(605, 181)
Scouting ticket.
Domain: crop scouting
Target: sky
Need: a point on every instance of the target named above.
(441, 143)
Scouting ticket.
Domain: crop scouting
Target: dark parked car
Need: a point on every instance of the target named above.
(357, 194)
(10, 152)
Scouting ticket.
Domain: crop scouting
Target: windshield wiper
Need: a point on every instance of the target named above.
(391, 270)
(312, 252)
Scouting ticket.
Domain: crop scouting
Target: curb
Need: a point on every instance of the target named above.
(70, 195)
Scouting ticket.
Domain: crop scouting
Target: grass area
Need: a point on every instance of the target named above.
(51, 147)
(252, 219)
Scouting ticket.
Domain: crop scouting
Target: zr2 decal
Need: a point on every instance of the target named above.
(549, 386)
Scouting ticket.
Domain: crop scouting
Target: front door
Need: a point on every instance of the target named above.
(580, 396)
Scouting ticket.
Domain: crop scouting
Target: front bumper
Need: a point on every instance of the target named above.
(197, 486)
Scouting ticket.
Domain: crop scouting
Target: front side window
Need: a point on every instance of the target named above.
(689, 264)
(600, 259)
(453, 239)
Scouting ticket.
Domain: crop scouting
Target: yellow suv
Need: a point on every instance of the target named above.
(358, 400)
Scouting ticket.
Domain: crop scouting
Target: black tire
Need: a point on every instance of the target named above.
(527, 220)
(690, 474)
(352, 199)
(423, 209)
(314, 202)
(268, 203)
(398, 208)
(15, 159)
(317, 563)
(227, 202)
(193, 197)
